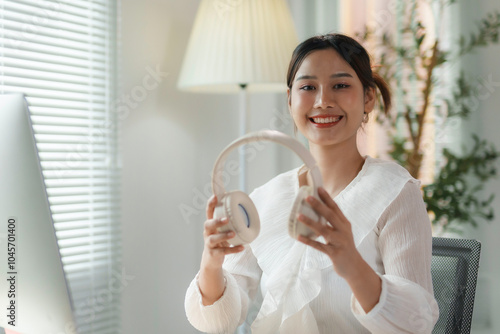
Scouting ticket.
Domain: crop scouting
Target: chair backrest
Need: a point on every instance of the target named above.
(455, 265)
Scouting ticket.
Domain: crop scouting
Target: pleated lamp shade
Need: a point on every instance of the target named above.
(239, 42)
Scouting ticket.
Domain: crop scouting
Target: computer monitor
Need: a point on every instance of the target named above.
(34, 295)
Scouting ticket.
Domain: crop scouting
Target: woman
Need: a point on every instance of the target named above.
(369, 270)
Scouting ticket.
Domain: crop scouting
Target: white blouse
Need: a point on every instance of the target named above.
(300, 290)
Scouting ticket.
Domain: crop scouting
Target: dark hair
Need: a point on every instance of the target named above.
(351, 51)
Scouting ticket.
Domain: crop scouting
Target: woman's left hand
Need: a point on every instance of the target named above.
(365, 284)
(337, 233)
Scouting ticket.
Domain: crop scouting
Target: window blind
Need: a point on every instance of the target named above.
(61, 55)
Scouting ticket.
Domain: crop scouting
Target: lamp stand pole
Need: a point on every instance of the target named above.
(243, 131)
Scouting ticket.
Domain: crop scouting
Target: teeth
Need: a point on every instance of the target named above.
(326, 119)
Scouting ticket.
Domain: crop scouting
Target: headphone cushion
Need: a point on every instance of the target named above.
(242, 216)
(300, 206)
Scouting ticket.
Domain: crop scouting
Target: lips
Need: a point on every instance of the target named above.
(325, 120)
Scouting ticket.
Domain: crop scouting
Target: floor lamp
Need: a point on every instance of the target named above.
(239, 46)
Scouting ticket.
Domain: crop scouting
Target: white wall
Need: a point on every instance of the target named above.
(483, 66)
(152, 166)
(170, 140)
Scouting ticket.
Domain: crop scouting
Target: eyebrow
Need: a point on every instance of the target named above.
(333, 76)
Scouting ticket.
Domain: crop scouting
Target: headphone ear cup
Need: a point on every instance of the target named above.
(300, 206)
(242, 216)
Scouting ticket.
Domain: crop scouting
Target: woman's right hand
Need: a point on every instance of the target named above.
(211, 279)
(216, 243)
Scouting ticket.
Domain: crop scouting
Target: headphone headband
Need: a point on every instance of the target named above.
(265, 135)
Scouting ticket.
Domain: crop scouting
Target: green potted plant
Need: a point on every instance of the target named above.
(412, 63)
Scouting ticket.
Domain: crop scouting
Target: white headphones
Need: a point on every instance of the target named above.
(239, 208)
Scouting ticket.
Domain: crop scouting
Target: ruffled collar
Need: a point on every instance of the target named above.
(293, 269)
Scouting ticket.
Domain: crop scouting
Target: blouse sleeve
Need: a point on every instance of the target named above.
(242, 275)
(406, 303)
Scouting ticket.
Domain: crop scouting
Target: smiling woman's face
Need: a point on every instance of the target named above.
(327, 100)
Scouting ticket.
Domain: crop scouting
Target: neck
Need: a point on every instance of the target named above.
(339, 165)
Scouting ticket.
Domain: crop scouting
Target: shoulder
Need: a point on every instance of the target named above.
(384, 177)
(375, 188)
(403, 196)
(388, 170)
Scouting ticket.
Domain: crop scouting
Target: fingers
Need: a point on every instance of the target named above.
(224, 250)
(212, 203)
(326, 198)
(327, 208)
(234, 249)
(316, 227)
(321, 209)
(330, 234)
(313, 243)
(215, 240)
(211, 225)
(218, 244)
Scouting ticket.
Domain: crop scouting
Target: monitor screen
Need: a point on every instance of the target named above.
(34, 296)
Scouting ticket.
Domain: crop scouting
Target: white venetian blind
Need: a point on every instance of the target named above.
(61, 55)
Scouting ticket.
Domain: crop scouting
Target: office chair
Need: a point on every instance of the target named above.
(454, 268)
